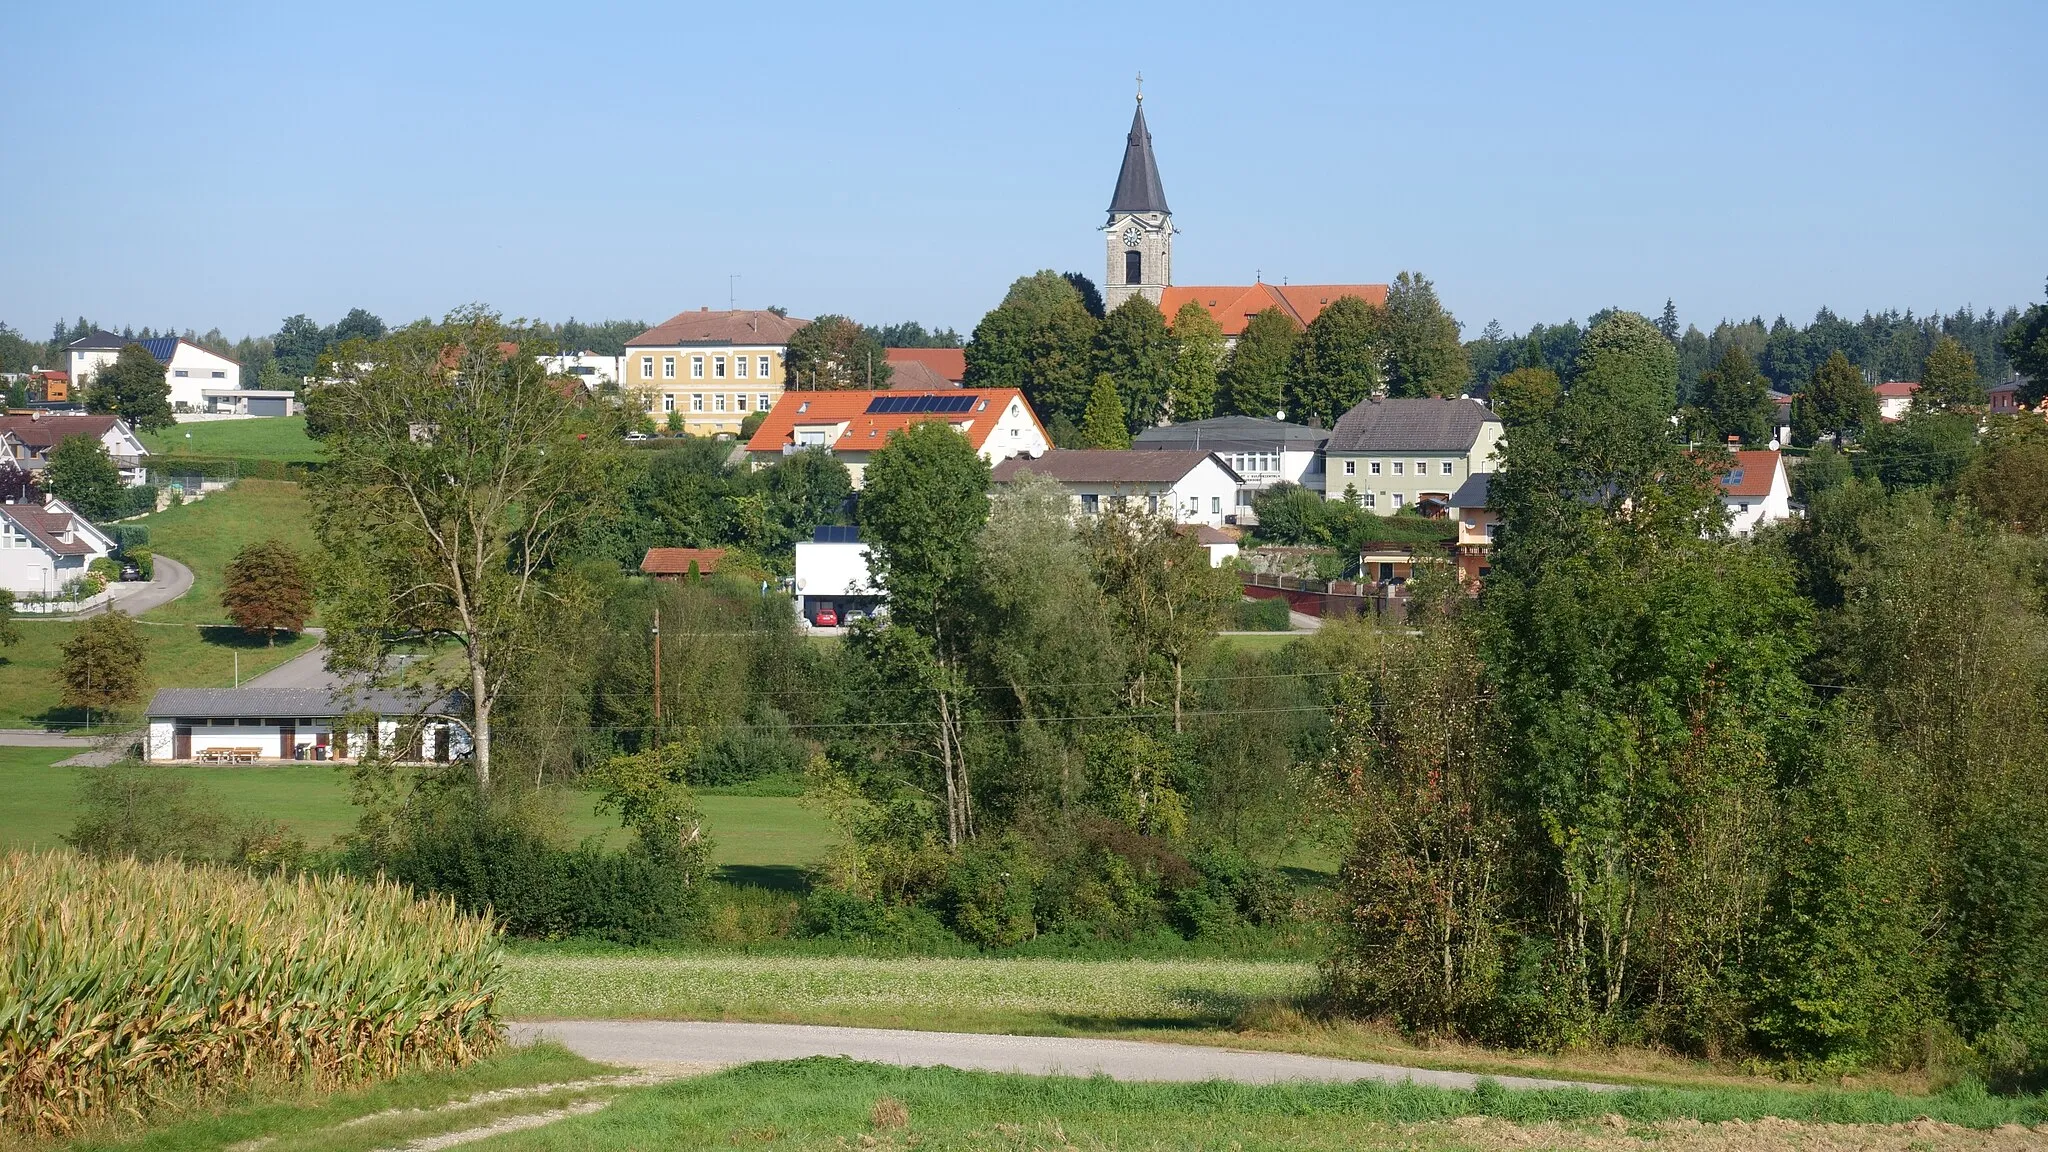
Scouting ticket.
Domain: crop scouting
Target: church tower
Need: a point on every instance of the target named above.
(1140, 229)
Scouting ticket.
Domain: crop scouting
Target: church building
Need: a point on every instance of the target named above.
(1139, 243)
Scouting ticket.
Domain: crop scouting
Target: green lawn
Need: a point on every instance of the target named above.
(207, 533)
(281, 438)
(180, 656)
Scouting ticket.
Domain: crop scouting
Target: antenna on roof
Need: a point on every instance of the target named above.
(731, 295)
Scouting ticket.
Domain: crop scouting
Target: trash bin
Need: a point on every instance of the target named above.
(299, 752)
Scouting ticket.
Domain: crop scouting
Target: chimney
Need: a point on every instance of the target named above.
(703, 307)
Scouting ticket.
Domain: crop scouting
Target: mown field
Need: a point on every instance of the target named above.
(207, 533)
(280, 438)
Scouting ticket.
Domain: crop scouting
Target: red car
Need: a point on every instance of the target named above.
(826, 617)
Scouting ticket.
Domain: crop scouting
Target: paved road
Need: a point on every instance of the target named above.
(306, 670)
(172, 580)
(646, 1041)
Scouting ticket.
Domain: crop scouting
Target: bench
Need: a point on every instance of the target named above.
(229, 755)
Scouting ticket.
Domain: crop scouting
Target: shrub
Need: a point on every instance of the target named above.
(214, 973)
(762, 748)
(833, 914)
(128, 537)
(988, 895)
(107, 569)
(1263, 616)
(144, 561)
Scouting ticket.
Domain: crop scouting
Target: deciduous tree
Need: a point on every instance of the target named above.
(269, 589)
(102, 664)
(1040, 340)
(455, 475)
(833, 352)
(1134, 349)
(1948, 378)
(1734, 399)
(1420, 339)
(1197, 363)
(135, 388)
(1254, 379)
(1167, 599)
(9, 634)
(2026, 346)
(1336, 362)
(1102, 425)
(82, 475)
(1836, 402)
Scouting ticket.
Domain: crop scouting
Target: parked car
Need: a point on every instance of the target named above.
(130, 572)
(854, 614)
(638, 436)
(826, 616)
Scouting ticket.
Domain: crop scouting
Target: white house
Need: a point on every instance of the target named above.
(248, 401)
(1262, 452)
(188, 367)
(247, 725)
(1401, 453)
(1755, 491)
(1186, 487)
(30, 436)
(1895, 398)
(44, 547)
(832, 569)
(589, 367)
(852, 424)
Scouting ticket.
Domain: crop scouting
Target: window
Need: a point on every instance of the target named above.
(220, 375)
(181, 373)
(1422, 467)
(1215, 505)
(696, 367)
(697, 402)
(668, 403)
(718, 402)
(718, 367)
(1351, 468)
(1152, 505)
(762, 402)
(762, 364)
(1447, 467)
(741, 401)
(1745, 507)
(1492, 531)
(668, 367)
(1375, 467)
(739, 367)
(1397, 467)
(1134, 266)
(647, 367)
(1397, 501)
(1370, 500)
(1090, 503)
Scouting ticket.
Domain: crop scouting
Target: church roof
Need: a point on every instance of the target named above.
(1232, 306)
(1137, 183)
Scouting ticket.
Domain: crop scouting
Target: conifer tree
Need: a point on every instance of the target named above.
(1197, 363)
(1254, 380)
(1102, 426)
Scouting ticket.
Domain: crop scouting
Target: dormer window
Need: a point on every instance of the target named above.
(981, 407)
(803, 407)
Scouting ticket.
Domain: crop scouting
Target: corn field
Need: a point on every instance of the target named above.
(126, 984)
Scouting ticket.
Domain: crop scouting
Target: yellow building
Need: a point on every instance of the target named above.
(706, 371)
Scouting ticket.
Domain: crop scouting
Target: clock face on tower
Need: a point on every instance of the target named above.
(1132, 235)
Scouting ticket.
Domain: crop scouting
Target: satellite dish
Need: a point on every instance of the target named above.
(1774, 444)
(802, 583)
(1280, 415)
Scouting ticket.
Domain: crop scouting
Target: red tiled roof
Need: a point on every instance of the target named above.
(1756, 468)
(39, 432)
(1896, 390)
(949, 363)
(707, 327)
(917, 376)
(1232, 306)
(46, 528)
(866, 430)
(676, 561)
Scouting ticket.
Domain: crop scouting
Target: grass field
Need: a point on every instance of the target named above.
(281, 438)
(207, 533)
(751, 832)
(838, 1104)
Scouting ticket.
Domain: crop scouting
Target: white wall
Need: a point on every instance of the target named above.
(27, 570)
(1770, 508)
(833, 570)
(202, 369)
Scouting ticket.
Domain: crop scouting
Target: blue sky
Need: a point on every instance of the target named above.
(229, 165)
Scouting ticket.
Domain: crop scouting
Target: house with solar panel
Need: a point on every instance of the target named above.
(853, 424)
(190, 370)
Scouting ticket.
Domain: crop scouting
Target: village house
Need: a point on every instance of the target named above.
(1756, 491)
(1262, 453)
(188, 368)
(1895, 398)
(681, 563)
(854, 423)
(832, 584)
(709, 370)
(45, 546)
(1186, 487)
(256, 725)
(1478, 524)
(1386, 455)
(32, 436)
(948, 364)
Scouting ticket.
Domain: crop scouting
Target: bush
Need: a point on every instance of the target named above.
(988, 895)
(332, 980)
(1263, 616)
(128, 537)
(762, 748)
(107, 569)
(144, 561)
(833, 914)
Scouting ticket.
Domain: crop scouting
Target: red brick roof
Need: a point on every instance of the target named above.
(1896, 390)
(950, 363)
(917, 376)
(1233, 306)
(707, 327)
(866, 430)
(1752, 474)
(676, 561)
(47, 528)
(40, 432)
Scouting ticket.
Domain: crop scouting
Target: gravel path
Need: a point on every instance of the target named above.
(642, 1041)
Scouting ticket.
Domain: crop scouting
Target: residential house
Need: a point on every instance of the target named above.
(1220, 545)
(45, 546)
(2005, 398)
(1478, 525)
(1187, 487)
(36, 433)
(1895, 398)
(917, 376)
(1262, 452)
(253, 725)
(591, 368)
(1755, 491)
(674, 563)
(710, 370)
(949, 364)
(852, 424)
(832, 572)
(50, 386)
(1781, 416)
(1391, 454)
(249, 401)
(188, 368)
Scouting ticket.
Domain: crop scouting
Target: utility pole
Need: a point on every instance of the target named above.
(657, 666)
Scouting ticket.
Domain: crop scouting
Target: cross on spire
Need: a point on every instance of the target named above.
(1141, 87)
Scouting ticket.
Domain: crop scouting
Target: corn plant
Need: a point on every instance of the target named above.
(125, 984)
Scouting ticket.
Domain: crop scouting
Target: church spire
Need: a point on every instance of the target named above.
(1137, 184)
